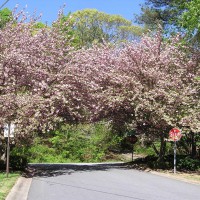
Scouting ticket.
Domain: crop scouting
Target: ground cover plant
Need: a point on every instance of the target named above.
(7, 183)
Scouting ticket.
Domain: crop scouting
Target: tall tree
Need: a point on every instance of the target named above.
(92, 26)
(174, 16)
(164, 12)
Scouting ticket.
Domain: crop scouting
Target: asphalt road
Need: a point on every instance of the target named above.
(109, 184)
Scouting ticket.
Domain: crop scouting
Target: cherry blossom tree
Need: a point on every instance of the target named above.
(150, 85)
(38, 87)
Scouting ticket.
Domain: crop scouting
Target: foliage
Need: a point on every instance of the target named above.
(92, 26)
(148, 149)
(188, 163)
(41, 153)
(38, 88)
(174, 15)
(184, 163)
(162, 12)
(81, 143)
(150, 84)
(65, 24)
(190, 20)
(19, 158)
(39, 25)
(5, 17)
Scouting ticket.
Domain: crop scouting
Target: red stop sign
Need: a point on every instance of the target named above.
(175, 134)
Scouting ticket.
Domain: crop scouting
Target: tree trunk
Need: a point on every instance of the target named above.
(162, 147)
(193, 145)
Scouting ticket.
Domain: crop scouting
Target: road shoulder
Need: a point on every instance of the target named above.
(20, 189)
(178, 176)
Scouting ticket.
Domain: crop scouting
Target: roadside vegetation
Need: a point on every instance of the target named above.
(69, 143)
(7, 183)
(77, 88)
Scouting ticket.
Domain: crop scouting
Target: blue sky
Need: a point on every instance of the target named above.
(50, 8)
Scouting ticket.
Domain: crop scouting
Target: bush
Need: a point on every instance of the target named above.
(183, 162)
(188, 163)
(18, 158)
(2, 165)
(18, 162)
(80, 143)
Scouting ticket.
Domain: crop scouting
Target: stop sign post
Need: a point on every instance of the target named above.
(175, 135)
(132, 139)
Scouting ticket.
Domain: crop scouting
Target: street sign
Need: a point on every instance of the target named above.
(132, 139)
(12, 128)
(175, 134)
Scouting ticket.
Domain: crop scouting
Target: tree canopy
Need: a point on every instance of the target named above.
(92, 26)
(38, 87)
(149, 84)
(174, 16)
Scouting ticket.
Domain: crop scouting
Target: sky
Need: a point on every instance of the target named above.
(50, 8)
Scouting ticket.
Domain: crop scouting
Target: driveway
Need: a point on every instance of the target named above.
(105, 183)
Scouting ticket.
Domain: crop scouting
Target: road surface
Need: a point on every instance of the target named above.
(109, 184)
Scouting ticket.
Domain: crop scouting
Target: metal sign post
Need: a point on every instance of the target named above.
(8, 133)
(132, 139)
(174, 157)
(132, 153)
(8, 151)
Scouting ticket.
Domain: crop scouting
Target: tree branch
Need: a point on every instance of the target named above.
(4, 4)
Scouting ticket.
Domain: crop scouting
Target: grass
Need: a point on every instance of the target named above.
(6, 184)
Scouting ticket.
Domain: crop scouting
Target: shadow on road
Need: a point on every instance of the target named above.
(52, 170)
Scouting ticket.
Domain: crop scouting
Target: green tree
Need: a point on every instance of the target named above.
(5, 16)
(190, 20)
(65, 24)
(164, 12)
(174, 16)
(92, 26)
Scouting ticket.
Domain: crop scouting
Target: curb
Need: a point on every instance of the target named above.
(20, 189)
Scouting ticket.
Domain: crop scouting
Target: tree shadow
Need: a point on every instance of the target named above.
(52, 170)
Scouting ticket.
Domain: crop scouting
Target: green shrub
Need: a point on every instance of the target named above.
(188, 163)
(80, 143)
(183, 162)
(19, 158)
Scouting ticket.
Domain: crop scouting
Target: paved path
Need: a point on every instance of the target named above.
(108, 184)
